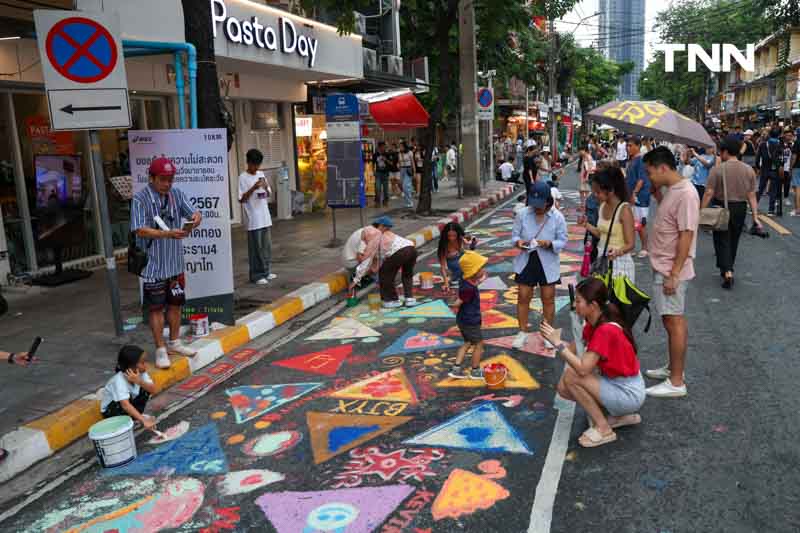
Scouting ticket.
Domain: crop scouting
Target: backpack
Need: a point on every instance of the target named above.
(775, 152)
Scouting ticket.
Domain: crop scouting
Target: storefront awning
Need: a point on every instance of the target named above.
(397, 110)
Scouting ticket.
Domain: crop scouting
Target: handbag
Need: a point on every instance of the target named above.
(602, 265)
(716, 218)
(137, 258)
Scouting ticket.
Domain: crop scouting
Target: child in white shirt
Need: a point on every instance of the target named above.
(127, 392)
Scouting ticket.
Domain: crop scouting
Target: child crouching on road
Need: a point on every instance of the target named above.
(127, 392)
(468, 317)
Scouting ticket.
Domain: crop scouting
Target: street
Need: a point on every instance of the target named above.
(346, 421)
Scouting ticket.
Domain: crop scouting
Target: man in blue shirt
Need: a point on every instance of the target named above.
(639, 189)
(702, 163)
(156, 219)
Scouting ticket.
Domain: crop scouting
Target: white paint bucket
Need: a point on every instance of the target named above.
(200, 327)
(113, 441)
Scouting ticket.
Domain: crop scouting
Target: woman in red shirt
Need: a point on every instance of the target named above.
(607, 376)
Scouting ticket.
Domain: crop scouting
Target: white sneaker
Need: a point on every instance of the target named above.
(394, 304)
(411, 302)
(178, 348)
(666, 389)
(658, 373)
(793, 213)
(272, 276)
(262, 281)
(162, 359)
(642, 254)
(519, 340)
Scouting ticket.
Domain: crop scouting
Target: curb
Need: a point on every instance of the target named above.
(47, 435)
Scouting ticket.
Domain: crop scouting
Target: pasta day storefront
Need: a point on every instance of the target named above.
(264, 58)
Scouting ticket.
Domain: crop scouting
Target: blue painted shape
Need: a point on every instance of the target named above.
(482, 429)
(252, 401)
(197, 453)
(505, 266)
(413, 341)
(434, 309)
(344, 435)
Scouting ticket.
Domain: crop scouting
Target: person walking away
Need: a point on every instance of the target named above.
(468, 316)
(587, 167)
(740, 182)
(768, 161)
(449, 251)
(608, 375)
(129, 389)
(673, 245)
(541, 233)
(419, 156)
(382, 166)
(608, 186)
(154, 208)
(254, 193)
(451, 162)
(387, 253)
(639, 188)
(621, 151)
(506, 170)
(702, 164)
(393, 157)
(435, 157)
(796, 176)
(748, 150)
(786, 169)
(406, 174)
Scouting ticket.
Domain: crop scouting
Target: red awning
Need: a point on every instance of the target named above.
(401, 112)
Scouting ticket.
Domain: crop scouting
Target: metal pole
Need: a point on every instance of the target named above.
(22, 188)
(108, 244)
(491, 130)
(551, 86)
(459, 161)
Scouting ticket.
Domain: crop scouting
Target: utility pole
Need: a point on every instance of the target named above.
(551, 91)
(491, 128)
(527, 111)
(467, 59)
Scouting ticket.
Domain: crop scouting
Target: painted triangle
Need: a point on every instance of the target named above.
(344, 328)
(518, 376)
(491, 319)
(434, 309)
(464, 493)
(332, 433)
(324, 362)
(505, 266)
(495, 283)
(356, 510)
(197, 453)
(482, 429)
(534, 344)
(390, 386)
(251, 401)
(419, 341)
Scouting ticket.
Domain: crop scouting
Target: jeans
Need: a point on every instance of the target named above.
(259, 250)
(403, 259)
(775, 187)
(381, 187)
(701, 190)
(726, 243)
(435, 176)
(408, 186)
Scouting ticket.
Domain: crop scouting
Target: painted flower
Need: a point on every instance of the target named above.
(384, 387)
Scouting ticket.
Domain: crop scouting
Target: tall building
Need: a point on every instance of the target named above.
(622, 39)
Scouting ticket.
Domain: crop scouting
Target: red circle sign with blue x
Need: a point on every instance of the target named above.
(81, 50)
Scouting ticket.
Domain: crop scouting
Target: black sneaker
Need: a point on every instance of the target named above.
(457, 373)
(476, 373)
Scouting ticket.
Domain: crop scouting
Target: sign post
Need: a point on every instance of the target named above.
(87, 89)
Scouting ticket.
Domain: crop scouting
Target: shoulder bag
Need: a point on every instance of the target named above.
(137, 258)
(602, 265)
(717, 218)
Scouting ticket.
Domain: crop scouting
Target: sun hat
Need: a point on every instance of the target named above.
(471, 263)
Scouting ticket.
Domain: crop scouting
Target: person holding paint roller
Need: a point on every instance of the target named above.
(128, 391)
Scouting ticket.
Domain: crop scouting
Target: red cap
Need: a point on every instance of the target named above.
(162, 166)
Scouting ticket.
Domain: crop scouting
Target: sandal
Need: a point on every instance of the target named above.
(626, 420)
(592, 438)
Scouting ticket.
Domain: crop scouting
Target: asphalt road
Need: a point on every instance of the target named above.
(365, 435)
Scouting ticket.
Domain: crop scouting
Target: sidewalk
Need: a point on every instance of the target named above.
(51, 404)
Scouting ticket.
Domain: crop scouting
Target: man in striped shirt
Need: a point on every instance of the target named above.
(156, 219)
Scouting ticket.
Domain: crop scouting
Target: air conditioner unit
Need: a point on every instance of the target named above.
(370, 60)
(361, 23)
(392, 64)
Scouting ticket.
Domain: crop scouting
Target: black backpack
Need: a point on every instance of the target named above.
(775, 152)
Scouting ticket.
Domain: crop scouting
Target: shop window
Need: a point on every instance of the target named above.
(9, 197)
(312, 159)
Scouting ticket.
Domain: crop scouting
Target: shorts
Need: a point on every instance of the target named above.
(533, 274)
(640, 214)
(623, 395)
(166, 292)
(796, 177)
(672, 304)
(471, 333)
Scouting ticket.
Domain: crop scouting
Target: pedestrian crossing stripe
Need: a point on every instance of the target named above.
(332, 434)
(390, 386)
(434, 309)
(518, 377)
(413, 341)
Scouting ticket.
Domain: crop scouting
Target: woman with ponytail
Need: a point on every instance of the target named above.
(607, 377)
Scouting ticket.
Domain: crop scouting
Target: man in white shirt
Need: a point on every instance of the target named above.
(507, 170)
(254, 194)
(450, 162)
(622, 151)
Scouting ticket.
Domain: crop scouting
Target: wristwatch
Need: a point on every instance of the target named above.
(11, 358)
(561, 347)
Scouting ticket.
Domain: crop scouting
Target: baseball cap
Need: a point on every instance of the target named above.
(748, 132)
(383, 221)
(161, 166)
(471, 263)
(539, 194)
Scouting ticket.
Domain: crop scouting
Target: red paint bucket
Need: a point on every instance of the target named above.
(495, 376)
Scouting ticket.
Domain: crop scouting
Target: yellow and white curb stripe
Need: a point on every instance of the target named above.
(45, 436)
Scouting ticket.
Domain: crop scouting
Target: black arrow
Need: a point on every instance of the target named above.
(71, 108)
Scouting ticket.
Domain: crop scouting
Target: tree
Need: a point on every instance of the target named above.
(597, 78)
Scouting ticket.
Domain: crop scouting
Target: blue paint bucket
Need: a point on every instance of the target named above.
(113, 441)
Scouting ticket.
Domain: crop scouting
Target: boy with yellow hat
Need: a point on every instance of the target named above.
(468, 317)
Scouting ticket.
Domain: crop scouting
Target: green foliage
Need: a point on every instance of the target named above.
(596, 78)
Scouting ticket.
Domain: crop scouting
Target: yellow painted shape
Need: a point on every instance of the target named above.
(284, 309)
(336, 282)
(235, 439)
(68, 423)
(774, 225)
(428, 234)
(390, 386)
(464, 493)
(518, 376)
(167, 377)
(505, 321)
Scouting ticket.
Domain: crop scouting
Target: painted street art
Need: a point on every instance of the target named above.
(272, 443)
(533, 345)
(324, 362)
(332, 434)
(518, 377)
(335, 511)
(511, 296)
(465, 493)
(493, 283)
(504, 266)
(482, 429)
(491, 319)
(245, 481)
(367, 407)
(419, 341)
(196, 453)
(344, 328)
(432, 362)
(392, 385)
(252, 401)
(511, 252)
(406, 514)
(434, 309)
(508, 401)
(566, 281)
(171, 433)
(404, 464)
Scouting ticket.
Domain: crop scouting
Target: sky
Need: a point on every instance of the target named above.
(588, 31)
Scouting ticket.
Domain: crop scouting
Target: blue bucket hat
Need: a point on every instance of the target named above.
(383, 221)
(539, 194)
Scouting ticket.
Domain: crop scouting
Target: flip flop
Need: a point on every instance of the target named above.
(627, 420)
(592, 438)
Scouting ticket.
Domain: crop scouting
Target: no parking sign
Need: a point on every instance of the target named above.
(84, 70)
(485, 98)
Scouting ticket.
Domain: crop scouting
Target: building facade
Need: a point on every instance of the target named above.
(621, 38)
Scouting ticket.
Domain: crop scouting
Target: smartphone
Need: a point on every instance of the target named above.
(188, 227)
(34, 346)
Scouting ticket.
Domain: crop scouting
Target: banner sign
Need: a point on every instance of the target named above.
(345, 161)
(201, 159)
